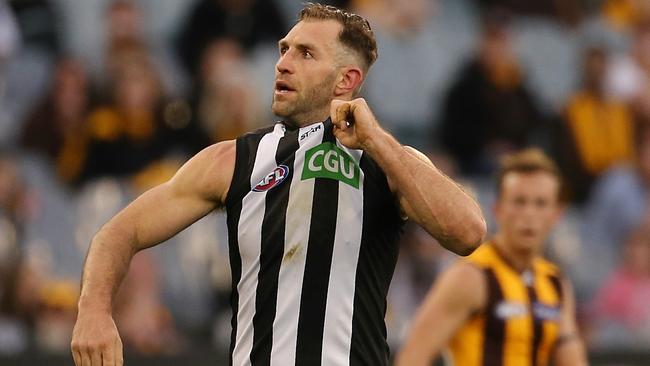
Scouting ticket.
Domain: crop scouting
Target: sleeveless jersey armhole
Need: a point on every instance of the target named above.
(237, 183)
(245, 152)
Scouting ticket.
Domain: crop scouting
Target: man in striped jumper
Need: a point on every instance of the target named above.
(314, 208)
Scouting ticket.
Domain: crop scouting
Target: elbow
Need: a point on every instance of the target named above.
(116, 237)
(468, 238)
(474, 236)
(467, 248)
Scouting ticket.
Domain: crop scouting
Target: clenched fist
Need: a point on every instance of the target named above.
(95, 341)
(354, 124)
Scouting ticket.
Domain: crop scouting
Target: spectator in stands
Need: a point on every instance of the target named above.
(629, 74)
(225, 104)
(622, 306)
(617, 206)
(249, 22)
(17, 298)
(598, 130)
(125, 40)
(416, 54)
(488, 111)
(125, 23)
(128, 133)
(624, 15)
(61, 114)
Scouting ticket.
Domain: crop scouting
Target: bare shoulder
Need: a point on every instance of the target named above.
(466, 273)
(209, 172)
(465, 281)
(219, 155)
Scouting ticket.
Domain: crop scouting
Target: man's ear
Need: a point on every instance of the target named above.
(349, 81)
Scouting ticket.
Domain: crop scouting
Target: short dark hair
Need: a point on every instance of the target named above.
(356, 33)
(531, 160)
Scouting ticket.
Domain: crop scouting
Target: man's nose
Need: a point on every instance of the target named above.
(284, 64)
(529, 211)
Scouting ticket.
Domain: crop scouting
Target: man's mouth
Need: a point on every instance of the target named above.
(282, 87)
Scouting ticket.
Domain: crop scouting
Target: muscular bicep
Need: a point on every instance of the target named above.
(196, 189)
(159, 214)
(406, 209)
(450, 303)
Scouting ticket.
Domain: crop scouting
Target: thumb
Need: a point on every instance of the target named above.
(338, 111)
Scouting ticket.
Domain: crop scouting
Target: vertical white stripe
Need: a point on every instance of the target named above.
(337, 333)
(301, 198)
(250, 238)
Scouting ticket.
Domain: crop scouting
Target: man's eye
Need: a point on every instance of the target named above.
(307, 54)
(283, 50)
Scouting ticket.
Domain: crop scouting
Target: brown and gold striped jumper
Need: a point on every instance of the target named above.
(520, 322)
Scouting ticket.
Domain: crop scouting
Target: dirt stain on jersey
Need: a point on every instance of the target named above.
(291, 253)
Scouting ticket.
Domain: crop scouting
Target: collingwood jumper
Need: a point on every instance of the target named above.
(313, 230)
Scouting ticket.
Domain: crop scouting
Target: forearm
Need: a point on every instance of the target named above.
(571, 353)
(107, 263)
(438, 204)
(569, 349)
(418, 350)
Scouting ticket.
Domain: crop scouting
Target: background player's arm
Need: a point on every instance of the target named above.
(196, 189)
(458, 294)
(426, 196)
(569, 350)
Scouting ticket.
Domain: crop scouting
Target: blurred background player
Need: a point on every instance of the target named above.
(505, 304)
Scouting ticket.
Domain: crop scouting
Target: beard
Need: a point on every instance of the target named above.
(309, 105)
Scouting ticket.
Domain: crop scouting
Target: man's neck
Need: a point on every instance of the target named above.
(303, 121)
(314, 116)
(519, 259)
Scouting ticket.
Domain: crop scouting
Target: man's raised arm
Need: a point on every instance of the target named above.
(199, 187)
(425, 194)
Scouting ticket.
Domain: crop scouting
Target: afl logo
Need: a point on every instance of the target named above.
(272, 179)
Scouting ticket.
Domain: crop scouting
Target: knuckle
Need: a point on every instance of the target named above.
(91, 347)
(102, 346)
(82, 346)
(96, 346)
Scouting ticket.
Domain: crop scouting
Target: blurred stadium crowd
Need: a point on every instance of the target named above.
(102, 99)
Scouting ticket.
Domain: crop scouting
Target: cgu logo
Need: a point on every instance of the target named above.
(272, 179)
(329, 161)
